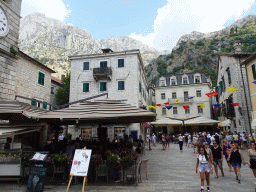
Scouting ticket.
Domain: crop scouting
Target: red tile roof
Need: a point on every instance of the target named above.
(56, 80)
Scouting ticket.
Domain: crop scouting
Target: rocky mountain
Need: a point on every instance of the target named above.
(199, 52)
(51, 42)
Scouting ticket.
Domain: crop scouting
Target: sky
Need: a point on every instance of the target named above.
(157, 23)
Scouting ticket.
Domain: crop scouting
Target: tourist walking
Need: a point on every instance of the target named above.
(154, 139)
(163, 141)
(195, 139)
(228, 138)
(235, 158)
(204, 167)
(189, 139)
(167, 138)
(209, 152)
(217, 154)
(226, 151)
(147, 137)
(251, 157)
(180, 138)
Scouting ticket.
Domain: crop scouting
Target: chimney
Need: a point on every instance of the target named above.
(107, 50)
(238, 46)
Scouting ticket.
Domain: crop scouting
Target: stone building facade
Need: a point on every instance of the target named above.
(8, 60)
(230, 74)
(33, 80)
(120, 74)
(185, 89)
(55, 85)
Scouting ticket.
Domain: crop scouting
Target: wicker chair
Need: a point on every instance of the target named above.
(143, 168)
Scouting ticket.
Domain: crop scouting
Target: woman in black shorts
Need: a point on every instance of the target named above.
(251, 157)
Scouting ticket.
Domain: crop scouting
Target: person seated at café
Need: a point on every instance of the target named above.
(137, 153)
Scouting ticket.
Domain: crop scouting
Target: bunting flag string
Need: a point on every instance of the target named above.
(143, 107)
(231, 89)
(176, 101)
(154, 107)
(211, 94)
(201, 105)
(234, 104)
(191, 97)
(254, 82)
(185, 106)
(167, 103)
(168, 107)
(159, 105)
(150, 106)
(216, 105)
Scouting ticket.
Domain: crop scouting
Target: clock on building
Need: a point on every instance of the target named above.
(4, 24)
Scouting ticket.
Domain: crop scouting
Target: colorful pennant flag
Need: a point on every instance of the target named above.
(143, 107)
(214, 93)
(201, 105)
(191, 97)
(234, 104)
(231, 89)
(216, 105)
(150, 106)
(154, 107)
(208, 94)
(159, 105)
(185, 106)
(168, 107)
(167, 103)
(254, 82)
(214, 111)
(176, 101)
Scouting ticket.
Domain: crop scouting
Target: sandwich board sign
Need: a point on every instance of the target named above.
(80, 165)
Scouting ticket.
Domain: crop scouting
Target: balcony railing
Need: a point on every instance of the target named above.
(182, 100)
(102, 73)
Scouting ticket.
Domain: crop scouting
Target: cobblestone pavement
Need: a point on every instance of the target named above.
(168, 170)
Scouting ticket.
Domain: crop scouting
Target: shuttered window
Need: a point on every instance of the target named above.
(103, 86)
(85, 87)
(120, 63)
(229, 76)
(41, 78)
(253, 71)
(103, 64)
(86, 66)
(120, 85)
(44, 105)
(33, 102)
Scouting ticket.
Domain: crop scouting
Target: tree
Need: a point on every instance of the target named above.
(62, 95)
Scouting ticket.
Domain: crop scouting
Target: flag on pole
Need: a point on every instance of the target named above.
(231, 89)
(176, 101)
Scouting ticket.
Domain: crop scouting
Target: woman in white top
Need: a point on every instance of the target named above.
(205, 167)
(154, 139)
(180, 142)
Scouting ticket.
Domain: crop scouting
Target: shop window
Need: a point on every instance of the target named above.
(86, 133)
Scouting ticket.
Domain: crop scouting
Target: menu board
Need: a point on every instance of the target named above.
(81, 162)
(39, 157)
(37, 177)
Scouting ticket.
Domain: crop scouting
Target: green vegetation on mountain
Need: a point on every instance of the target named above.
(200, 54)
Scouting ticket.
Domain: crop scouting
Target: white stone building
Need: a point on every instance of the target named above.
(187, 89)
(121, 75)
(230, 74)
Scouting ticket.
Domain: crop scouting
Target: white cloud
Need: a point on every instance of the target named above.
(180, 17)
(55, 9)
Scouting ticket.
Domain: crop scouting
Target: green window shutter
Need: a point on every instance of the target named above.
(45, 105)
(229, 77)
(253, 71)
(223, 84)
(86, 65)
(33, 102)
(140, 87)
(103, 86)
(221, 87)
(120, 85)
(120, 63)
(41, 78)
(86, 87)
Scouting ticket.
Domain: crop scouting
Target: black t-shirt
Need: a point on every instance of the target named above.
(216, 153)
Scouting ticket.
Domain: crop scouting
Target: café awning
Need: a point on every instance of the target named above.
(9, 132)
(201, 121)
(224, 123)
(166, 121)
